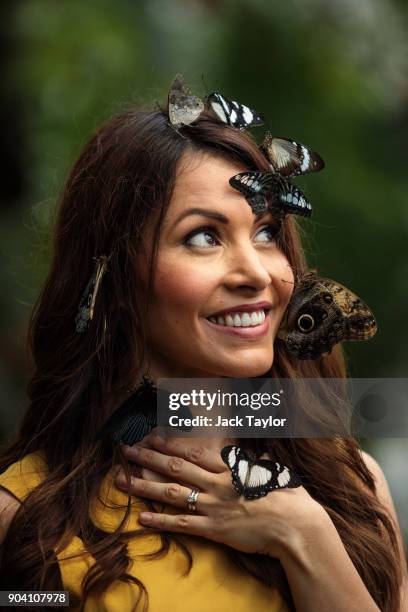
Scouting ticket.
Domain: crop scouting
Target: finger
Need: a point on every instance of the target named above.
(184, 523)
(175, 467)
(191, 449)
(169, 493)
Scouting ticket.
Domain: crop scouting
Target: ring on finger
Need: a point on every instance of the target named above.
(192, 499)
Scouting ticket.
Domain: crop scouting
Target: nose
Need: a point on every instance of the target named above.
(246, 269)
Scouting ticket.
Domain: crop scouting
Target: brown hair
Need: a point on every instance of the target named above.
(122, 180)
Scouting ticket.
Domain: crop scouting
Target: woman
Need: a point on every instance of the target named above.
(333, 543)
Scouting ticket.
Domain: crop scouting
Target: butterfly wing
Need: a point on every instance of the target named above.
(264, 190)
(233, 113)
(256, 187)
(290, 158)
(322, 313)
(183, 107)
(238, 462)
(292, 200)
(134, 418)
(267, 475)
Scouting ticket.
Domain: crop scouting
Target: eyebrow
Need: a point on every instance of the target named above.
(204, 212)
(211, 214)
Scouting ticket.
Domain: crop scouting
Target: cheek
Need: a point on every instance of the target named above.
(284, 280)
(180, 288)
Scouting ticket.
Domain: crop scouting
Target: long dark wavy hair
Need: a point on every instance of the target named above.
(120, 185)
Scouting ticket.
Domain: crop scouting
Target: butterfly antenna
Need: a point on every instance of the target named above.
(206, 89)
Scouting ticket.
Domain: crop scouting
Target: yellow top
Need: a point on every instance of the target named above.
(213, 583)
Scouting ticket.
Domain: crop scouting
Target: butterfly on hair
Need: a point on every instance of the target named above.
(254, 478)
(233, 113)
(273, 190)
(184, 107)
(289, 158)
(266, 191)
(321, 313)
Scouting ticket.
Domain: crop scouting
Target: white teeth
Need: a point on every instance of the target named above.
(246, 320)
(243, 319)
(255, 318)
(237, 320)
(229, 320)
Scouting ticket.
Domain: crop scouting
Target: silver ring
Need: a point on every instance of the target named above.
(192, 499)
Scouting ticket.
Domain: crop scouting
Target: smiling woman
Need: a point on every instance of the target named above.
(196, 285)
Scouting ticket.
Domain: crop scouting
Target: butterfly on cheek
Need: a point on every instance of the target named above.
(254, 478)
(322, 313)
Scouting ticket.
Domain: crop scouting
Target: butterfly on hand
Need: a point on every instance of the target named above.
(322, 313)
(254, 478)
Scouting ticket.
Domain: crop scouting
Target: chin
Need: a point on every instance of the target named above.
(248, 368)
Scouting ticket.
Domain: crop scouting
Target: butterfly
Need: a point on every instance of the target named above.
(289, 158)
(137, 416)
(134, 418)
(87, 303)
(322, 313)
(183, 107)
(265, 190)
(254, 478)
(233, 113)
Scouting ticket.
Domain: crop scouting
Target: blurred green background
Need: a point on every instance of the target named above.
(329, 73)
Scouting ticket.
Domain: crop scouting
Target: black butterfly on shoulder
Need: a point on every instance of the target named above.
(254, 478)
(136, 416)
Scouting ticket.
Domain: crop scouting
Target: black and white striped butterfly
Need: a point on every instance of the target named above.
(183, 107)
(254, 478)
(264, 190)
(289, 158)
(233, 113)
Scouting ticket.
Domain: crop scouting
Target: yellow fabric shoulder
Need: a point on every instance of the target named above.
(214, 582)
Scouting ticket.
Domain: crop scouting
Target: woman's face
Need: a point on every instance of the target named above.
(215, 259)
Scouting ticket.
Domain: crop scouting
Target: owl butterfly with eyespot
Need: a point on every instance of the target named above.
(289, 158)
(322, 313)
(183, 107)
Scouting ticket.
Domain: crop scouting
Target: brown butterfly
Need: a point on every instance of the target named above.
(290, 158)
(322, 313)
(183, 107)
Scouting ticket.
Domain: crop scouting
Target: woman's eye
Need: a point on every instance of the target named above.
(201, 237)
(270, 232)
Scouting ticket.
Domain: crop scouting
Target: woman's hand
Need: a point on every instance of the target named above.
(172, 467)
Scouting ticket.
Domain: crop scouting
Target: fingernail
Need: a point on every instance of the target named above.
(135, 450)
(145, 516)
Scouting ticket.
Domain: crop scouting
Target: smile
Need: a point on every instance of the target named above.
(240, 319)
(248, 325)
